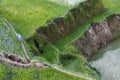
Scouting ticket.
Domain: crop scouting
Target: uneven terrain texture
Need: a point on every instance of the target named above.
(25, 16)
(99, 35)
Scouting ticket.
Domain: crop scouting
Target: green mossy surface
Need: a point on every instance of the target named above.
(26, 15)
(52, 56)
(8, 72)
(72, 61)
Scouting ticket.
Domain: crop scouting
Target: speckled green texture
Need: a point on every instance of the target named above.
(8, 72)
(26, 15)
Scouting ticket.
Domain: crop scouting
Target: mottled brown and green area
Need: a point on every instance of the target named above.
(26, 15)
(62, 26)
(9, 43)
(98, 35)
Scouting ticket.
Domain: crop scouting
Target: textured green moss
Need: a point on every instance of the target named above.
(27, 15)
(51, 54)
(19, 73)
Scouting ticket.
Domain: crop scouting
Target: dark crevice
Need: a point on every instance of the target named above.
(38, 46)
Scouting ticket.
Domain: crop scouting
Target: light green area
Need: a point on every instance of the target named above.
(112, 5)
(17, 73)
(53, 55)
(26, 15)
